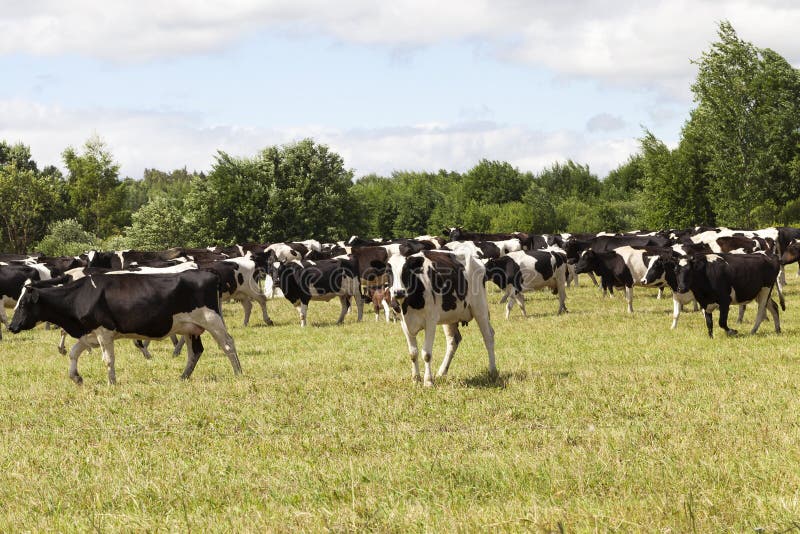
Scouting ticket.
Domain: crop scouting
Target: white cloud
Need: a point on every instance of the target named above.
(166, 141)
(604, 122)
(625, 42)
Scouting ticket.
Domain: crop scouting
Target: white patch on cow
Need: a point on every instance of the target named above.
(22, 294)
(120, 255)
(683, 262)
(396, 263)
(713, 257)
(92, 282)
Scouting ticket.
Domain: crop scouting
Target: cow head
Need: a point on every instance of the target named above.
(660, 267)
(26, 313)
(684, 272)
(587, 262)
(405, 277)
(791, 254)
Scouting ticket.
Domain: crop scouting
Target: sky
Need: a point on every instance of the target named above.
(402, 85)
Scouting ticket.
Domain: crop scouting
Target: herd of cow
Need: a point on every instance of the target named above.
(98, 297)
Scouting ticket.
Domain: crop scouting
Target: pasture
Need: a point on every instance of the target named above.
(599, 420)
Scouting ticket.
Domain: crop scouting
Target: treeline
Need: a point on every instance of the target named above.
(737, 164)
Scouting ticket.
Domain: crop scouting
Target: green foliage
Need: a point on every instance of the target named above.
(18, 155)
(625, 181)
(94, 188)
(494, 182)
(416, 195)
(29, 200)
(675, 192)
(562, 181)
(158, 225)
(542, 217)
(377, 206)
(748, 115)
(67, 238)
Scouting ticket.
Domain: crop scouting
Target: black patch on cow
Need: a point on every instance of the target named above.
(543, 263)
(410, 280)
(240, 278)
(447, 279)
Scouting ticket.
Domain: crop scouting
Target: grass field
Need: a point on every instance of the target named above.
(599, 420)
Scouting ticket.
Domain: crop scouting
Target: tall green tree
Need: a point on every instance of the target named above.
(748, 115)
(310, 193)
(157, 225)
(569, 179)
(494, 182)
(29, 202)
(94, 187)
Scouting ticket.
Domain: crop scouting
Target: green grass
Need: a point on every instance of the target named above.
(599, 420)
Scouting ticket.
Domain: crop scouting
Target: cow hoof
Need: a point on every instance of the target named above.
(428, 383)
(416, 378)
(62, 351)
(732, 332)
(78, 379)
(269, 323)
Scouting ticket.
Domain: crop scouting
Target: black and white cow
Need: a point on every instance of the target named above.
(529, 270)
(661, 269)
(12, 280)
(98, 309)
(719, 280)
(239, 281)
(611, 269)
(304, 281)
(440, 288)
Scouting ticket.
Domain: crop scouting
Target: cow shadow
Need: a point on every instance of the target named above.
(485, 380)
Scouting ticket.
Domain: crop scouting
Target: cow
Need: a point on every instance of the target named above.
(239, 281)
(481, 249)
(98, 309)
(12, 280)
(381, 301)
(528, 270)
(660, 268)
(719, 280)
(612, 270)
(304, 281)
(437, 287)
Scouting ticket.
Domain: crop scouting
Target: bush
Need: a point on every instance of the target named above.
(157, 225)
(67, 238)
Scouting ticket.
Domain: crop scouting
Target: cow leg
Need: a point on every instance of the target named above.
(453, 338)
(779, 288)
(629, 298)
(676, 312)
(594, 280)
(695, 305)
(742, 309)
(521, 300)
(427, 351)
(387, 310)
(359, 307)
(106, 340)
(510, 297)
(561, 287)
(660, 292)
(194, 349)
(413, 350)
(262, 301)
(345, 302)
(782, 274)
(724, 308)
(481, 315)
(302, 309)
(572, 276)
(143, 345)
(216, 327)
(247, 306)
(709, 323)
(762, 299)
(773, 310)
(177, 344)
(3, 317)
(76, 350)
(62, 345)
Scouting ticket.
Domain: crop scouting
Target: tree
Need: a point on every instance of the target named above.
(377, 206)
(94, 188)
(17, 154)
(29, 201)
(67, 238)
(624, 182)
(157, 225)
(568, 180)
(494, 182)
(284, 193)
(748, 115)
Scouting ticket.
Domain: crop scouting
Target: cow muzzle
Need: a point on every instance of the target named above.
(398, 294)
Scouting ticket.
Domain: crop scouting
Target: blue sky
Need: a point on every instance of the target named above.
(390, 87)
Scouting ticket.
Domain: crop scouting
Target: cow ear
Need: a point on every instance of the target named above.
(414, 263)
